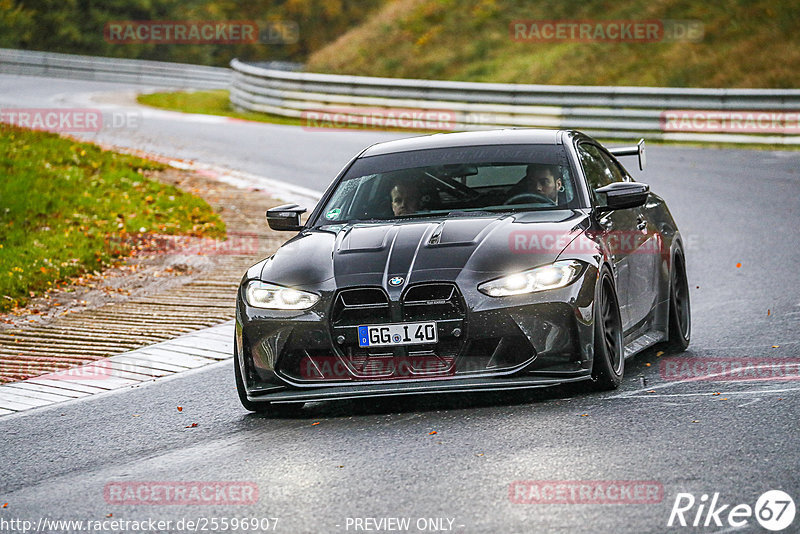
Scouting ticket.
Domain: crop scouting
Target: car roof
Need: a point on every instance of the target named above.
(449, 140)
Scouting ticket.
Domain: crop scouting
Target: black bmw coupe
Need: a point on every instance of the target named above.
(463, 262)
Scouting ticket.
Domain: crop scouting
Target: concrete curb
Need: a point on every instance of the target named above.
(146, 364)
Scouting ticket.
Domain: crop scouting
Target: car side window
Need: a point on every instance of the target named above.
(599, 169)
(620, 175)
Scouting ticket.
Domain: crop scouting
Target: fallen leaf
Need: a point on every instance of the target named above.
(647, 364)
(479, 454)
(137, 415)
(192, 425)
(768, 312)
(738, 265)
(5, 505)
(715, 393)
(775, 346)
(315, 423)
(660, 353)
(584, 415)
(695, 421)
(180, 408)
(432, 432)
(340, 466)
(650, 391)
(109, 515)
(724, 398)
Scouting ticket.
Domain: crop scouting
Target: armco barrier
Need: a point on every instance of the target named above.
(770, 116)
(764, 116)
(130, 71)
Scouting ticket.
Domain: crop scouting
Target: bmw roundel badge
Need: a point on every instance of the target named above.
(396, 281)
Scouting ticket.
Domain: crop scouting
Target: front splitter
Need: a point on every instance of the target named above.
(462, 385)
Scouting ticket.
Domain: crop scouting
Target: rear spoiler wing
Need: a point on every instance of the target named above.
(637, 150)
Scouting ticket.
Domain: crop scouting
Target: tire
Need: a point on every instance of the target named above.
(680, 317)
(259, 407)
(608, 364)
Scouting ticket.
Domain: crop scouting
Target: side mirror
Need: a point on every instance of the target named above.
(286, 217)
(621, 195)
(637, 150)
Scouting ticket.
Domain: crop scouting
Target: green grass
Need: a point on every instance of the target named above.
(209, 103)
(217, 103)
(746, 43)
(66, 208)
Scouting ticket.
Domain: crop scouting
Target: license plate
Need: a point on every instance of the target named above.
(397, 334)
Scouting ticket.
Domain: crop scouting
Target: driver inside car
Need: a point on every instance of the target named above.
(542, 180)
(406, 197)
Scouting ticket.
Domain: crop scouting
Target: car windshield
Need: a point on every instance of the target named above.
(451, 182)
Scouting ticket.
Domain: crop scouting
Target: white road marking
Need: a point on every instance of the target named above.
(706, 394)
(757, 399)
(696, 379)
(765, 345)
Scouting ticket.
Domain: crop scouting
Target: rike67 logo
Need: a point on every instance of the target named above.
(774, 510)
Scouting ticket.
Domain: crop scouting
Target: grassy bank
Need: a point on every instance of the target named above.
(745, 43)
(66, 208)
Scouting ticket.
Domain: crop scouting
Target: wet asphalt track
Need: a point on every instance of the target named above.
(379, 460)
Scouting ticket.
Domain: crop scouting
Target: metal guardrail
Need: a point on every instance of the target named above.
(131, 71)
(608, 112)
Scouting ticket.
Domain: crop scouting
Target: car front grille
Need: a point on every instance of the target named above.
(432, 302)
(354, 307)
(427, 302)
(439, 302)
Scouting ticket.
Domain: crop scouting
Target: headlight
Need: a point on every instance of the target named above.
(263, 295)
(552, 276)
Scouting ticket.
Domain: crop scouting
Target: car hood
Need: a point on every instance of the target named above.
(423, 249)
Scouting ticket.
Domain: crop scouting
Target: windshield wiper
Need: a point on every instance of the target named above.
(462, 213)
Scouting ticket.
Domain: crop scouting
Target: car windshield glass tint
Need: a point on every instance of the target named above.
(452, 182)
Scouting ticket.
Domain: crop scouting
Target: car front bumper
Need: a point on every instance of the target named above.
(535, 340)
